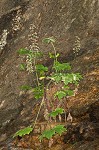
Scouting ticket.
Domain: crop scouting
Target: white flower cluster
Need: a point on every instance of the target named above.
(33, 38)
(33, 46)
(77, 45)
(3, 40)
(29, 65)
(16, 25)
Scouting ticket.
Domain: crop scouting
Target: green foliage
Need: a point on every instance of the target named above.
(49, 40)
(38, 54)
(55, 77)
(23, 51)
(66, 87)
(69, 92)
(23, 132)
(40, 68)
(60, 94)
(22, 67)
(71, 78)
(61, 66)
(47, 134)
(59, 129)
(59, 75)
(56, 112)
(25, 87)
(66, 78)
(38, 92)
(53, 56)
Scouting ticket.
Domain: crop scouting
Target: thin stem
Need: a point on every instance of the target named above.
(38, 112)
(54, 51)
(65, 116)
(48, 84)
(36, 71)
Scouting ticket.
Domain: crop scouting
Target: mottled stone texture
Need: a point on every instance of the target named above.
(66, 20)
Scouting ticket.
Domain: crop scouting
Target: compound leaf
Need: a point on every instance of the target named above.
(59, 129)
(69, 92)
(56, 77)
(40, 67)
(47, 134)
(61, 66)
(38, 92)
(23, 132)
(56, 112)
(23, 51)
(60, 94)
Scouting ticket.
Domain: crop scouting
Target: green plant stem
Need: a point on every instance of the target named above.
(36, 71)
(47, 86)
(38, 112)
(54, 51)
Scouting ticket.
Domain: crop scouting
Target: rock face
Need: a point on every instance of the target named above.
(74, 24)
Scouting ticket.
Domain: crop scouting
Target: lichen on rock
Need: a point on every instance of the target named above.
(3, 40)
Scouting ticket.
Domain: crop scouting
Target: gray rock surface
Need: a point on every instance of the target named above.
(67, 21)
